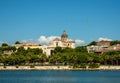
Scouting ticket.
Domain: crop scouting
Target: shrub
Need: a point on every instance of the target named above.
(94, 65)
(17, 66)
(32, 66)
(76, 66)
(83, 65)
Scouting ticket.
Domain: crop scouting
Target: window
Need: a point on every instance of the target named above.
(56, 43)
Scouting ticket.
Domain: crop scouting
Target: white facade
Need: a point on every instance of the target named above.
(93, 49)
(61, 42)
(47, 49)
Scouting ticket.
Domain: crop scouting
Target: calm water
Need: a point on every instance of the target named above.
(35, 76)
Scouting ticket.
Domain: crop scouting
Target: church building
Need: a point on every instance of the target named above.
(59, 42)
(62, 42)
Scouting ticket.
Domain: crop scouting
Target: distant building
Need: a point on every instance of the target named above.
(103, 43)
(47, 49)
(102, 46)
(26, 45)
(97, 49)
(114, 48)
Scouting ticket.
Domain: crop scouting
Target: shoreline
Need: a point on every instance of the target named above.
(58, 68)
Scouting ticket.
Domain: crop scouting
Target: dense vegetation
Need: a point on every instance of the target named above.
(77, 57)
(92, 43)
(115, 42)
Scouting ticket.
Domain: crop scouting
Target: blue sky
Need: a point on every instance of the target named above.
(83, 20)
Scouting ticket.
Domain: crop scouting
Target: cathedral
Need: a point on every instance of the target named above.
(62, 42)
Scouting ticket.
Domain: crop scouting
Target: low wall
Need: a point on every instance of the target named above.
(57, 68)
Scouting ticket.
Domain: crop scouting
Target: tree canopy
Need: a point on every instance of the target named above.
(62, 56)
(92, 43)
(4, 44)
(115, 42)
(17, 42)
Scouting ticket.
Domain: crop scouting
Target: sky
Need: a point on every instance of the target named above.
(39, 21)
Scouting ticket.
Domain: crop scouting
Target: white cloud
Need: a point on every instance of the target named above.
(105, 39)
(45, 40)
(28, 41)
(79, 42)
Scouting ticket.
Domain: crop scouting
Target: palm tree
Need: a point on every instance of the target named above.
(43, 58)
(117, 57)
(112, 58)
(89, 59)
(105, 58)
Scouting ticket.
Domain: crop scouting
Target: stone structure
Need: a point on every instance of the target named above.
(47, 49)
(102, 46)
(103, 43)
(61, 42)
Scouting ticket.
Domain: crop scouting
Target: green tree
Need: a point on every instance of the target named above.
(21, 51)
(57, 50)
(4, 60)
(22, 59)
(112, 58)
(52, 59)
(90, 59)
(37, 51)
(17, 42)
(75, 60)
(115, 42)
(81, 49)
(43, 58)
(4, 44)
(97, 58)
(92, 43)
(34, 51)
(67, 50)
(117, 59)
(33, 59)
(105, 58)
(82, 58)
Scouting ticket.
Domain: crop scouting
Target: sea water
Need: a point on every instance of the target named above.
(57, 76)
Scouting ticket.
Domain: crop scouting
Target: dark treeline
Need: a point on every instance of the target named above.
(115, 42)
(78, 57)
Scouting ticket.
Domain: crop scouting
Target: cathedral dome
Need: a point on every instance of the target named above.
(64, 35)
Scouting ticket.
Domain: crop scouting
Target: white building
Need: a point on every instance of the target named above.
(100, 47)
(97, 49)
(61, 42)
(47, 49)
